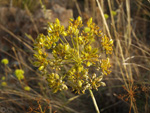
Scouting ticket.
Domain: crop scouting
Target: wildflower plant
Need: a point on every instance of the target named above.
(73, 55)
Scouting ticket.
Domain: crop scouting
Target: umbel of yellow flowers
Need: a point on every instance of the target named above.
(76, 62)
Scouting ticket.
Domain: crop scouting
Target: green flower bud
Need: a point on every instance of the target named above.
(86, 29)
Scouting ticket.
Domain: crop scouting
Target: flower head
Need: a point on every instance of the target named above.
(75, 59)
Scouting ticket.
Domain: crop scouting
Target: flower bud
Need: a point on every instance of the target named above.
(86, 29)
(56, 76)
(79, 18)
(103, 84)
(90, 21)
(41, 68)
(66, 47)
(88, 64)
(57, 21)
(79, 83)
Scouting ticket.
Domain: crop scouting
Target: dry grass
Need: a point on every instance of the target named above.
(130, 61)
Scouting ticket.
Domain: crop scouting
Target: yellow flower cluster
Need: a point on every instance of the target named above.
(19, 74)
(107, 44)
(74, 56)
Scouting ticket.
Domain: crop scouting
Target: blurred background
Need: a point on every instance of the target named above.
(127, 88)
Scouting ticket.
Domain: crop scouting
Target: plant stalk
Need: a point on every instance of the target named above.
(94, 101)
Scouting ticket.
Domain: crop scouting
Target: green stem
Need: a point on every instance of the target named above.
(94, 101)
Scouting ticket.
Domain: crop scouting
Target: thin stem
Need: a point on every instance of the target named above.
(104, 20)
(78, 45)
(94, 101)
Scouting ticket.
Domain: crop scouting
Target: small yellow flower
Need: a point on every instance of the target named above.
(114, 13)
(5, 61)
(27, 88)
(4, 84)
(106, 16)
(3, 78)
(88, 64)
